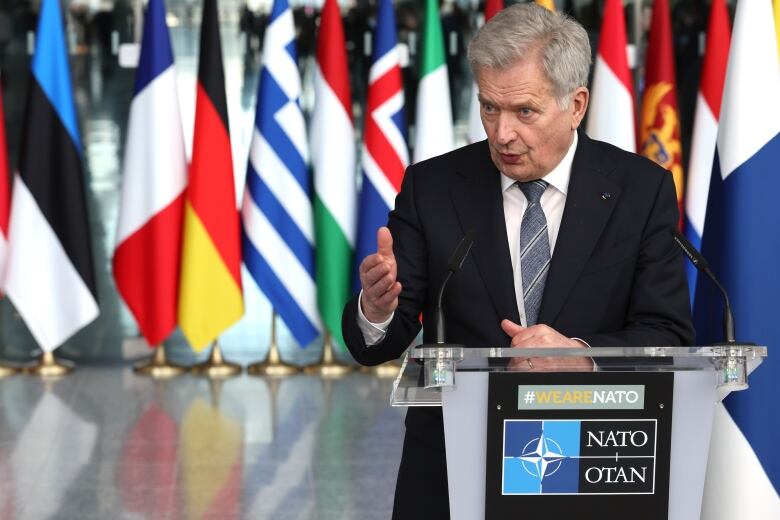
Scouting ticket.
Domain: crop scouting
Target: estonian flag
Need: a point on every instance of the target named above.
(50, 276)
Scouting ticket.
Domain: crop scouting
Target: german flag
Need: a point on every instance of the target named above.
(210, 297)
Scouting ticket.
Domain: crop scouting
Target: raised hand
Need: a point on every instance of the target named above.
(378, 273)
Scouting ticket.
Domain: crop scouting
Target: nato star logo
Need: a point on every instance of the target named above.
(542, 457)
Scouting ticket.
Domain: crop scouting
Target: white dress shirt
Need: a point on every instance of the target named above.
(553, 201)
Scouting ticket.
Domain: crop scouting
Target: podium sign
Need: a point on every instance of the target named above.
(595, 443)
(501, 463)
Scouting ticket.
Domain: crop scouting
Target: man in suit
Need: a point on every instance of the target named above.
(572, 245)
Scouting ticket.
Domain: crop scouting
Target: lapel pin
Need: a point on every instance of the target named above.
(606, 195)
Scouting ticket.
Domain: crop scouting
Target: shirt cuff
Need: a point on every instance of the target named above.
(373, 333)
(587, 345)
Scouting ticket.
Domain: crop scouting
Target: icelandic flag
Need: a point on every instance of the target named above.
(148, 251)
(742, 243)
(384, 155)
(705, 129)
(278, 222)
(50, 277)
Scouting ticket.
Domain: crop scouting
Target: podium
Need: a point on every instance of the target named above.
(633, 432)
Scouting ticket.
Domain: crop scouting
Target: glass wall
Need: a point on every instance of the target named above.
(103, 89)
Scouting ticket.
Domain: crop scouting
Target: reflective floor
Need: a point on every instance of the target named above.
(104, 443)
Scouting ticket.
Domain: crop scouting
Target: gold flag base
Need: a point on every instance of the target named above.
(6, 370)
(158, 367)
(49, 366)
(386, 370)
(216, 367)
(328, 366)
(273, 365)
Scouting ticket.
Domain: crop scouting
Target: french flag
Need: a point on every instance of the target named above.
(384, 155)
(611, 116)
(742, 242)
(148, 251)
(705, 129)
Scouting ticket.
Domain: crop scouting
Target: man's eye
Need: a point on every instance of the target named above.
(488, 108)
(525, 112)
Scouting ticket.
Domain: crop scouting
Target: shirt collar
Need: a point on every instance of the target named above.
(558, 177)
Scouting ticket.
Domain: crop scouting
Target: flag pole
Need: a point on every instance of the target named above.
(8, 370)
(49, 366)
(158, 366)
(387, 370)
(216, 366)
(273, 364)
(328, 365)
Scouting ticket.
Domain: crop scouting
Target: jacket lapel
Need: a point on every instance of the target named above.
(478, 202)
(590, 201)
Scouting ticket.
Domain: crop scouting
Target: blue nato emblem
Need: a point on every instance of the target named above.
(541, 457)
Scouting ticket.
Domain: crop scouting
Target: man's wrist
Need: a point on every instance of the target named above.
(379, 324)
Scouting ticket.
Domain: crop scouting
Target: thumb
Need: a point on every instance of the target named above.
(384, 241)
(511, 328)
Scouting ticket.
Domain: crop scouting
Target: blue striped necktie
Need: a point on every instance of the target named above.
(534, 249)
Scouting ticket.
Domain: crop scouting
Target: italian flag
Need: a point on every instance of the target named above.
(335, 179)
(433, 130)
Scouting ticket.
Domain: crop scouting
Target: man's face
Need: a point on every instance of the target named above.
(527, 130)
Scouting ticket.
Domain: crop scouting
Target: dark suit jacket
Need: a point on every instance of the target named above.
(615, 278)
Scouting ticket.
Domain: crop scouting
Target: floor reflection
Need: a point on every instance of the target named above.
(105, 443)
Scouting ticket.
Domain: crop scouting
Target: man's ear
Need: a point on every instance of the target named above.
(579, 105)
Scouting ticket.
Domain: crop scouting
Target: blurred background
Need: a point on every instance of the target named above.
(97, 29)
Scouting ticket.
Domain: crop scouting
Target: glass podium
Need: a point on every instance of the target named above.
(429, 370)
(458, 379)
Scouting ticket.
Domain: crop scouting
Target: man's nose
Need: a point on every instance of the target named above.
(505, 131)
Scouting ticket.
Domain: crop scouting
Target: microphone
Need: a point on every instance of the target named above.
(701, 264)
(453, 266)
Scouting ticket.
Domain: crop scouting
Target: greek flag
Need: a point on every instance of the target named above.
(278, 225)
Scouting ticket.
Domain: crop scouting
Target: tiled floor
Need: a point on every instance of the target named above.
(104, 443)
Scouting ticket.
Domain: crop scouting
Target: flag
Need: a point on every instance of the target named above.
(148, 250)
(741, 242)
(5, 190)
(549, 4)
(659, 136)
(705, 129)
(277, 216)
(433, 132)
(210, 296)
(476, 130)
(611, 116)
(335, 179)
(50, 276)
(384, 156)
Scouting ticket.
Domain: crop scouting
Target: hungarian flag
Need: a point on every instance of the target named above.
(659, 137)
(433, 132)
(705, 129)
(611, 115)
(5, 190)
(335, 180)
(210, 295)
(148, 251)
(476, 130)
(50, 276)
